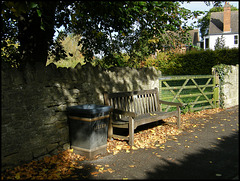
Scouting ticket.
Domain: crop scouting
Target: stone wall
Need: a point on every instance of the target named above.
(34, 121)
(230, 87)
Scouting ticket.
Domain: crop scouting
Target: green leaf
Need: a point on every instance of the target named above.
(42, 26)
(39, 13)
(33, 5)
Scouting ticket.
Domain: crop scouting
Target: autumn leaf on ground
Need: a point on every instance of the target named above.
(18, 176)
(61, 165)
(110, 170)
(94, 173)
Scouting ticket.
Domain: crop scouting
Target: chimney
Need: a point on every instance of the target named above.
(227, 18)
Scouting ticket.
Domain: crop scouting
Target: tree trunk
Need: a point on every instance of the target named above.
(34, 41)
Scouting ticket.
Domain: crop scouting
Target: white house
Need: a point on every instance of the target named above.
(223, 24)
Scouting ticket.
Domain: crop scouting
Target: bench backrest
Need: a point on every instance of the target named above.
(139, 102)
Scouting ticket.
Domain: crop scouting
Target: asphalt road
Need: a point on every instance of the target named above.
(209, 151)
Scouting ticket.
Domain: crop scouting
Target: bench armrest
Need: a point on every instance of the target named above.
(125, 113)
(170, 103)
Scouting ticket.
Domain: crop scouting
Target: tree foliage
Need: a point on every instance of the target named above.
(220, 43)
(31, 25)
(107, 27)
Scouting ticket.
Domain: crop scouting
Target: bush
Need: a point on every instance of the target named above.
(199, 62)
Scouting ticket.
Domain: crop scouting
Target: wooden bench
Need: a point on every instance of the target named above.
(132, 109)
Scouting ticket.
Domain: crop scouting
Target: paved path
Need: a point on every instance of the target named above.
(210, 151)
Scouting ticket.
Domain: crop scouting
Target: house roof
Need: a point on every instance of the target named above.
(194, 34)
(216, 23)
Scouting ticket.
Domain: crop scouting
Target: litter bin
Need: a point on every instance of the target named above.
(88, 127)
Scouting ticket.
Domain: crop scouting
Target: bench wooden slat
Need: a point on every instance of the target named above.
(152, 103)
(146, 118)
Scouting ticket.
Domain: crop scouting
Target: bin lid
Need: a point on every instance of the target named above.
(88, 110)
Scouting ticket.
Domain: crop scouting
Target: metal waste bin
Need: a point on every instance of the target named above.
(88, 127)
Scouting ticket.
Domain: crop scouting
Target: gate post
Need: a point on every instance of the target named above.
(216, 88)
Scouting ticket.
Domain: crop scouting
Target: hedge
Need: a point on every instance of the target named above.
(199, 62)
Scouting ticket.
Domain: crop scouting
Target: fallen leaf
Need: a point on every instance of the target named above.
(18, 176)
(152, 114)
(94, 173)
(110, 170)
(162, 147)
(131, 166)
(218, 174)
(115, 152)
(71, 150)
(45, 170)
(134, 148)
(79, 167)
(118, 147)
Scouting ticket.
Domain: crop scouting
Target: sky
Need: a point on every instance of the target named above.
(201, 6)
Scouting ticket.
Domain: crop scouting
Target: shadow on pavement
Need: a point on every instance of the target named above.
(220, 162)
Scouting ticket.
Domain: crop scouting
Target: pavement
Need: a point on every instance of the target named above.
(208, 151)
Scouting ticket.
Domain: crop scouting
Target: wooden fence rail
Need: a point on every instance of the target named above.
(195, 91)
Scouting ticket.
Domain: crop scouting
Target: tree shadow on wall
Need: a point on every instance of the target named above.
(222, 162)
(94, 81)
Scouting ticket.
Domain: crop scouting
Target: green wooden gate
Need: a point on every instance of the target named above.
(195, 92)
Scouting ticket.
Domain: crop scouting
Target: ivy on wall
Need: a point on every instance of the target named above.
(222, 71)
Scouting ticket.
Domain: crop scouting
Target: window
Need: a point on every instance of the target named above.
(236, 39)
(207, 43)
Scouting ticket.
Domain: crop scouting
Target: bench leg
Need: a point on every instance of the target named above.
(131, 131)
(179, 117)
(110, 127)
